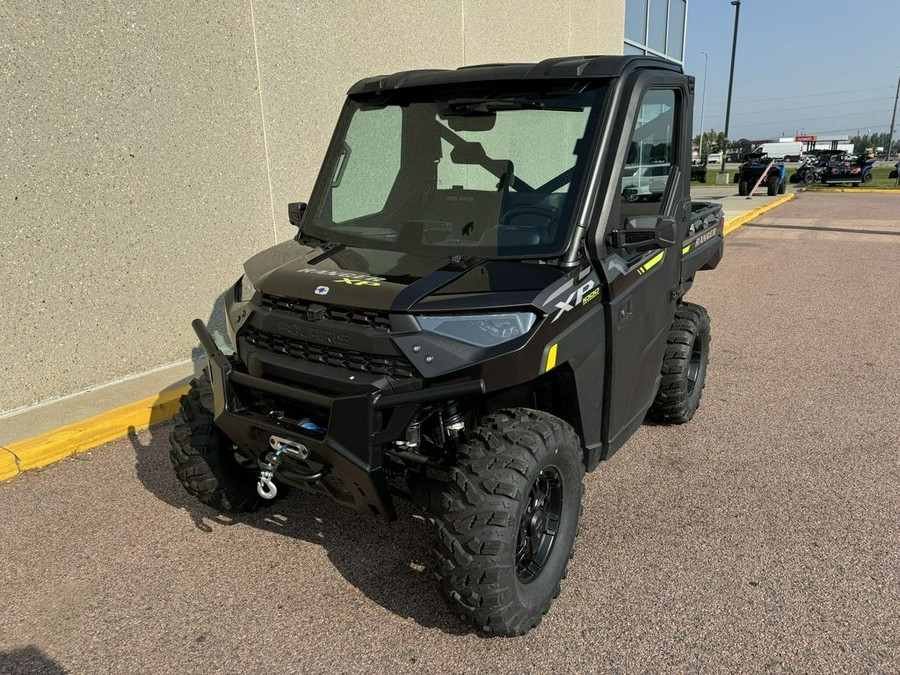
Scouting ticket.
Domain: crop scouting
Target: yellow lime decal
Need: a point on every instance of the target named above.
(685, 250)
(653, 262)
(357, 282)
(551, 357)
(590, 296)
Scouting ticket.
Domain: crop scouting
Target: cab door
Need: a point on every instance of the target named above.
(642, 279)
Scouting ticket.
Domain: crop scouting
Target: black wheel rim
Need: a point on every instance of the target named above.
(693, 371)
(539, 525)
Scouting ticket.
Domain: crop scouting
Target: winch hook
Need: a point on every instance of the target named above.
(265, 486)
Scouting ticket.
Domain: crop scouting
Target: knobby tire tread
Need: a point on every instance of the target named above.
(476, 528)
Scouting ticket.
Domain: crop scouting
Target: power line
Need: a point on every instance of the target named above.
(820, 105)
(817, 117)
(785, 98)
(873, 127)
(855, 127)
(818, 74)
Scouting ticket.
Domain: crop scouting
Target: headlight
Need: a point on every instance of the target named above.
(482, 330)
(245, 290)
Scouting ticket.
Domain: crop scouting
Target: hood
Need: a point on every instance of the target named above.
(397, 282)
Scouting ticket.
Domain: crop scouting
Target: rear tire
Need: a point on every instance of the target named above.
(743, 188)
(867, 177)
(204, 458)
(782, 187)
(684, 366)
(772, 187)
(506, 524)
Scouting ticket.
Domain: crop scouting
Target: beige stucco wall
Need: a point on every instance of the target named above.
(134, 172)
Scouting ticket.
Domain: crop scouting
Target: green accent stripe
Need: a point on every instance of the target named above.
(653, 262)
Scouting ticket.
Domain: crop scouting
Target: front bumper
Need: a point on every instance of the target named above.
(351, 450)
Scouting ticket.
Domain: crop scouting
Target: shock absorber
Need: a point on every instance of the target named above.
(454, 423)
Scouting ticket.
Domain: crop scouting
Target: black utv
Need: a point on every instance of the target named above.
(470, 316)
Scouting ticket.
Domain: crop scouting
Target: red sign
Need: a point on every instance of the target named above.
(805, 139)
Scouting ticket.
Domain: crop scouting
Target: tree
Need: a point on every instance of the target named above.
(876, 140)
(713, 141)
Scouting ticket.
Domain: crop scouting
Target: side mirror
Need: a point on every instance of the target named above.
(295, 213)
(644, 233)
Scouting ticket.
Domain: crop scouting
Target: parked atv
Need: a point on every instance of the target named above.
(756, 165)
(810, 171)
(469, 321)
(894, 173)
(813, 168)
(698, 171)
(850, 169)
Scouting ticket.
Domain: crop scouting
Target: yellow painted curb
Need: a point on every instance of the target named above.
(8, 466)
(90, 433)
(735, 223)
(871, 191)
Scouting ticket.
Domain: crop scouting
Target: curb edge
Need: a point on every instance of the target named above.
(87, 434)
(735, 223)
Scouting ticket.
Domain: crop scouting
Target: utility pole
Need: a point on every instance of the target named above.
(893, 120)
(703, 105)
(737, 18)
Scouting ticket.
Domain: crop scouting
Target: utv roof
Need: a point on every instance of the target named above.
(565, 68)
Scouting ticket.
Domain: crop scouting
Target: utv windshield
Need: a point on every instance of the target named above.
(490, 171)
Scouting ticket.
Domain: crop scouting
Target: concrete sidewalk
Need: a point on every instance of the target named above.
(733, 204)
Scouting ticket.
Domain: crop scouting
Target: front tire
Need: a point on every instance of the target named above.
(205, 460)
(782, 187)
(743, 188)
(506, 525)
(684, 366)
(772, 187)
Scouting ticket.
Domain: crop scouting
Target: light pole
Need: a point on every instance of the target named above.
(737, 18)
(703, 104)
(893, 120)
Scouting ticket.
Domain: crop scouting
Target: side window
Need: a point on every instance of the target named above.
(651, 152)
(373, 139)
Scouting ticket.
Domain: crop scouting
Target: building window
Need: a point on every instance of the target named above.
(655, 27)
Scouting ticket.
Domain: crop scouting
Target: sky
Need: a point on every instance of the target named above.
(802, 66)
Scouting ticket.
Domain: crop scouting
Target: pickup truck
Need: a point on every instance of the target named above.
(470, 317)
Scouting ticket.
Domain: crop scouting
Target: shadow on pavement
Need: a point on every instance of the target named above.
(29, 661)
(388, 562)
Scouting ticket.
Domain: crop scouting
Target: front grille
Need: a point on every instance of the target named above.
(361, 317)
(392, 366)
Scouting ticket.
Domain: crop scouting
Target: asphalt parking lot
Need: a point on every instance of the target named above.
(762, 537)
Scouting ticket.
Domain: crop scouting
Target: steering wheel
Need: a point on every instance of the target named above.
(547, 212)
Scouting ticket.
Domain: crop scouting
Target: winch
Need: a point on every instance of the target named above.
(266, 487)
